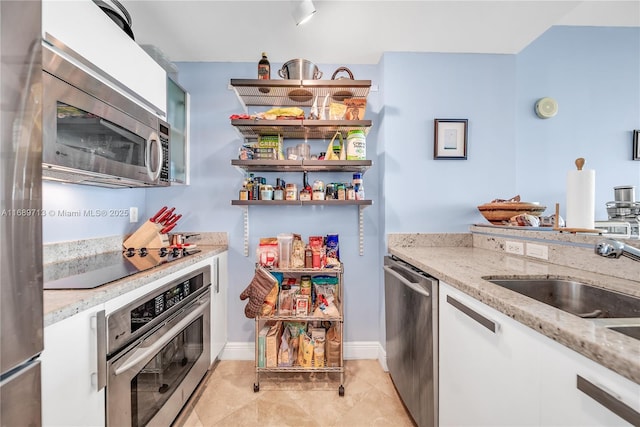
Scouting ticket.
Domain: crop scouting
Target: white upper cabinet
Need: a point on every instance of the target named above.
(83, 27)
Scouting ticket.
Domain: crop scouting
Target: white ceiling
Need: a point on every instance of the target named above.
(357, 31)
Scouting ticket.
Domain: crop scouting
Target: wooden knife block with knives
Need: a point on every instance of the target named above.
(152, 234)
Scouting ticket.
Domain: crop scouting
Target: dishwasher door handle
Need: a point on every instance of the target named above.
(487, 323)
(608, 401)
(406, 282)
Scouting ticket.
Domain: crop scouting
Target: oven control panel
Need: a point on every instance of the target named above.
(156, 306)
(138, 317)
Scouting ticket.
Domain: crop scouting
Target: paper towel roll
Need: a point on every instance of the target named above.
(581, 195)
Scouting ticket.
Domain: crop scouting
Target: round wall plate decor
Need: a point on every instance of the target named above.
(546, 108)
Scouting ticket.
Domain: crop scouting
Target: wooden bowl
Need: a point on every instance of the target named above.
(499, 213)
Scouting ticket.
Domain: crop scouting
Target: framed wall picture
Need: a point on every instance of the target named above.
(636, 145)
(450, 139)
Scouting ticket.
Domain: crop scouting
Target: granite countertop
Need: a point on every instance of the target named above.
(61, 304)
(465, 267)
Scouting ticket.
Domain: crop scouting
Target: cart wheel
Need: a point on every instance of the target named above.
(163, 388)
(256, 388)
(341, 390)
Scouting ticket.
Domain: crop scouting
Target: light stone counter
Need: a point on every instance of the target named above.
(453, 259)
(61, 304)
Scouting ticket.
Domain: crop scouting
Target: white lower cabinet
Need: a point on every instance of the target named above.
(563, 404)
(219, 286)
(486, 377)
(516, 376)
(69, 368)
(70, 360)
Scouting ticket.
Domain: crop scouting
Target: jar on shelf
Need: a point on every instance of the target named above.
(356, 145)
(291, 192)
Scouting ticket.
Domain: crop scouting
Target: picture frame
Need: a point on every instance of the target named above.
(450, 139)
(636, 145)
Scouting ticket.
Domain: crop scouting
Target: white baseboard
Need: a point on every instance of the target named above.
(355, 350)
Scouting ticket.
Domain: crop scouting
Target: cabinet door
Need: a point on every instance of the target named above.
(178, 119)
(69, 371)
(219, 305)
(562, 403)
(82, 26)
(487, 377)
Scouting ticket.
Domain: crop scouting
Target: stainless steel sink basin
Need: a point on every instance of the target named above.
(576, 298)
(631, 331)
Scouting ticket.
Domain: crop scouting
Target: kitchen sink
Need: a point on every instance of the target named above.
(632, 331)
(576, 298)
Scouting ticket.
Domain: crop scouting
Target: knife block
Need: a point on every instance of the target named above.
(147, 236)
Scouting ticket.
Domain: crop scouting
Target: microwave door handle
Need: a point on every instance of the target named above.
(153, 174)
(142, 354)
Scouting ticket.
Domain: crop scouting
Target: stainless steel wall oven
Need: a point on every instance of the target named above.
(155, 351)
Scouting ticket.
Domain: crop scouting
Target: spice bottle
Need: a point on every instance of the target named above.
(358, 186)
(264, 68)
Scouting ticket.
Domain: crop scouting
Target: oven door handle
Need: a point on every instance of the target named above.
(142, 353)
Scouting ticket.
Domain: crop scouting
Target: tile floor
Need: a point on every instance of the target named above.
(226, 398)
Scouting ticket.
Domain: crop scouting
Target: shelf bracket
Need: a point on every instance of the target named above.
(244, 106)
(245, 219)
(361, 229)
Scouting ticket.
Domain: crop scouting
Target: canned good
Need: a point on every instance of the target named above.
(341, 192)
(305, 285)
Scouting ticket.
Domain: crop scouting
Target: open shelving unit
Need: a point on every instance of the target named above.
(300, 93)
(338, 320)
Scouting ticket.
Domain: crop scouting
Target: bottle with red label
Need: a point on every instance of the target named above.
(264, 68)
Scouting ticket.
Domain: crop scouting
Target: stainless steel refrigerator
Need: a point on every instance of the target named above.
(21, 326)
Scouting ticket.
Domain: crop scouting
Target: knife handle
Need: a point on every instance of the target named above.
(157, 215)
(168, 228)
(164, 216)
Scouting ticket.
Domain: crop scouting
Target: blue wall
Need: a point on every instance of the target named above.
(423, 194)
(593, 73)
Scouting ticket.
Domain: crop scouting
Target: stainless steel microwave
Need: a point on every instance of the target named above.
(95, 135)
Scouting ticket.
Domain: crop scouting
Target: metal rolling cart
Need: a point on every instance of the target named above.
(336, 321)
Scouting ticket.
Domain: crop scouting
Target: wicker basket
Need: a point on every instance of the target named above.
(501, 212)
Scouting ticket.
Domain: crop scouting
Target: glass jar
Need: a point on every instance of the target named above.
(291, 192)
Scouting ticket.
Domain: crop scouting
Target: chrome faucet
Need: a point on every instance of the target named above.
(610, 248)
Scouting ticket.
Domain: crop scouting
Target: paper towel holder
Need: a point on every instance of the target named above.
(546, 107)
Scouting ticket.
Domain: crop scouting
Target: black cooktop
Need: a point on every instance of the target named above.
(97, 270)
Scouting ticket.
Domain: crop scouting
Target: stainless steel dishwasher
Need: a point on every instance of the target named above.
(411, 317)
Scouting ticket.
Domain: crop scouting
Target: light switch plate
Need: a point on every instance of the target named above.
(133, 214)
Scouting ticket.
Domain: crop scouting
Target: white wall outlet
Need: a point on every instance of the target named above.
(516, 248)
(537, 251)
(133, 214)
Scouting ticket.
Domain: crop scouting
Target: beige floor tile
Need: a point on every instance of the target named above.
(226, 398)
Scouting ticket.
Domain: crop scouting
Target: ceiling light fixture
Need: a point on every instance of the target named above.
(302, 10)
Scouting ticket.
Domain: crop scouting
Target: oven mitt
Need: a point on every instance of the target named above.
(257, 291)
